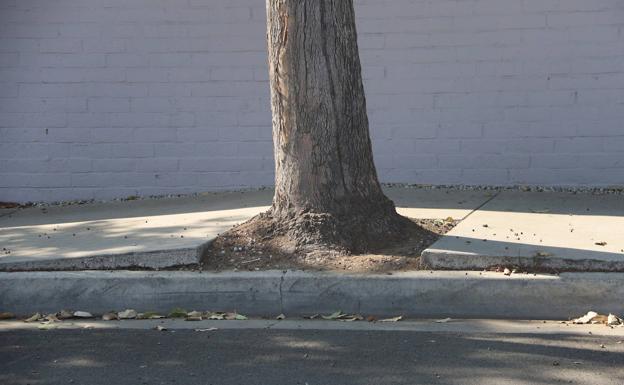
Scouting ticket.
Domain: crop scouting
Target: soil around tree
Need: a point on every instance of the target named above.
(258, 245)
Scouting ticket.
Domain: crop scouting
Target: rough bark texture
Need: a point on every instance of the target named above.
(327, 195)
(326, 188)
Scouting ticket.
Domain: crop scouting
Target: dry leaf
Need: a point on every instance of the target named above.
(110, 316)
(65, 314)
(587, 318)
(395, 319)
(83, 314)
(206, 330)
(51, 318)
(194, 316)
(177, 313)
(334, 316)
(280, 317)
(127, 314)
(507, 271)
(160, 328)
(6, 315)
(34, 318)
(613, 320)
(443, 321)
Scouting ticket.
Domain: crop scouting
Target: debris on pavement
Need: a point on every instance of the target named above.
(194, 316)
(6, 315)
(65, 314)
(443, 321)
(83, 314)
(594, 318)
(206, 330)
(395, 319)
(127, 314)
(111, 316)
(280, 317)
(34, 318)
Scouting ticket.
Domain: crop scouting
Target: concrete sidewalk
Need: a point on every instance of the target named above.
(535, 231)
(158, 233)
(529, 230)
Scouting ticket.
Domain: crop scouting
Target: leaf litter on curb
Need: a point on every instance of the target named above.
(594, 318)
(127, 314)
(340, 316)
(395, 319)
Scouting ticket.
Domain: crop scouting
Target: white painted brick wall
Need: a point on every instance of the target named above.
(108, 98)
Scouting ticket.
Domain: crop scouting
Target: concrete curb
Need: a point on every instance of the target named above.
(159, 259)
(413, 294)
(451, 260)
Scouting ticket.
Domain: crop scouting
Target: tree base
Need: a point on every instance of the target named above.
(304, 233)
(257, 245)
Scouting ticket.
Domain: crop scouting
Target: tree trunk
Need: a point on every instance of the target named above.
(326, 187)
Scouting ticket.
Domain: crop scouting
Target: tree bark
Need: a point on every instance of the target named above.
(326, 186)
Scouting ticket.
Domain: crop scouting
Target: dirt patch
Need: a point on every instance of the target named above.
(238, 250)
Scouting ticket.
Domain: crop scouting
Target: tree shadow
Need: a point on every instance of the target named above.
(315, 357)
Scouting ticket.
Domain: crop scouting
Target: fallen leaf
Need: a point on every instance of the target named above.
(395, 319)
(6, 315)
(34, 318)
(587, 318)
(111, 316)
(313, 316)
(83, 314)
(150, 315)
(215, 316)
(507, 271)
(160, 328)
(443, 321)
(601, 243)
(613, 320)
(351, 318)
(240, 317)
(371, 318)
(206, 330)
(178, 313)
(194, 316)
(127, 314)
(65, 314)
(280, 317)
(51, 318)
(334, 316)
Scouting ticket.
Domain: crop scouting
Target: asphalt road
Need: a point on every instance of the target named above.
(307, 356)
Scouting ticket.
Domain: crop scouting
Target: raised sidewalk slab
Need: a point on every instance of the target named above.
(160, 233)
(420, 294)
(535, 230)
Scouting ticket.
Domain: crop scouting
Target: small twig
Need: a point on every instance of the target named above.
(250, 261)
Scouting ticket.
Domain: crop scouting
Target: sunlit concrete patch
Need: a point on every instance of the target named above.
(561, 231)
(159, 233)
(152, 233)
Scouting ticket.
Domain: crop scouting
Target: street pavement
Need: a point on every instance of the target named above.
(313, 353)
